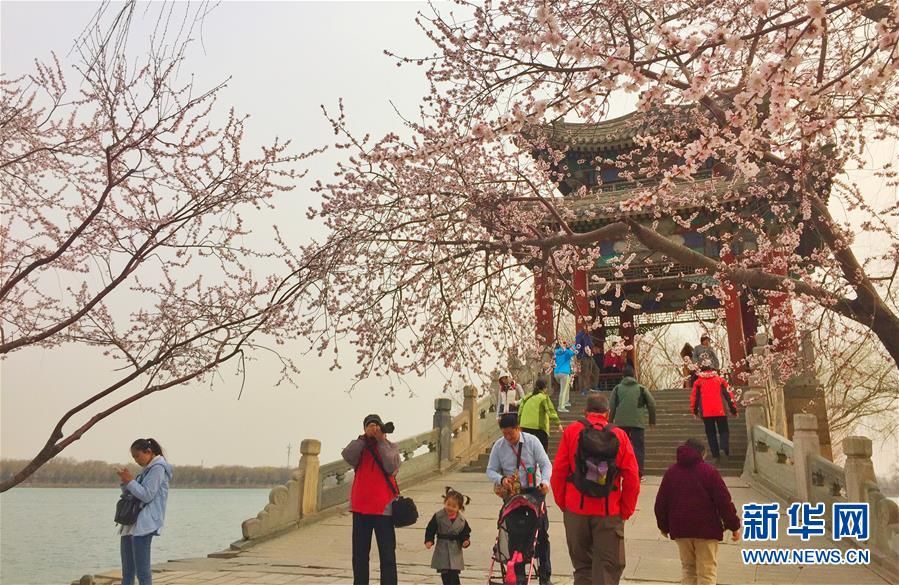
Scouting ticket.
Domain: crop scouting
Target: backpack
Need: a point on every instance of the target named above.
(595, 473)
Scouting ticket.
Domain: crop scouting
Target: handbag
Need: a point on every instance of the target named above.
(403, 509)
(128, 508)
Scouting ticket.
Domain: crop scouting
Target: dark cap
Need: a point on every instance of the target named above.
(508, 420)
(705, 336)
(706, 369)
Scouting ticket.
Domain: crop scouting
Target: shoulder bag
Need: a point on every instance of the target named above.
(128, 508)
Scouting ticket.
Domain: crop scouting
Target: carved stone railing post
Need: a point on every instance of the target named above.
(470, 406)
(443, 422)
(309, 466)
(805, 444)
(858, 467)
(756, 414)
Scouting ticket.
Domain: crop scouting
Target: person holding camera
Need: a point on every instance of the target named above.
(376, 462)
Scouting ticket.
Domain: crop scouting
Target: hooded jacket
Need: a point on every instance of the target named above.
(537, 411)
(563, 357)
(370, 492)
(151, 486)
(693, 501)
(621, 502)
(710, 396)
(631, 404)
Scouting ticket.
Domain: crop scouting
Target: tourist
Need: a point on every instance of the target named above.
(594, 524)
(711, 395)
(689, 368)
(376, 462)
(508, 395)
(586, 378)
(536, 413)
(562, 372)
(693, 507)
(631, 408)
(613, 362)
(704, 354)
(151, 487)
(518, 462)
(448, 532)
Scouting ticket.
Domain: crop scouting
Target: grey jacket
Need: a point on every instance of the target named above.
(447, 537)
(390, 454)
(705, 356)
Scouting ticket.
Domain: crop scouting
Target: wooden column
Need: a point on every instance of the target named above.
(736, 337)
(628, 334)
(581, 301)
(543, 308)
(750, 321)
(780, 313)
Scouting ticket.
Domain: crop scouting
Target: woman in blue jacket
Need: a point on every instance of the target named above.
(151, 486)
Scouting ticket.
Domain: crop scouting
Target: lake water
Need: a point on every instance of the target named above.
(55, 535)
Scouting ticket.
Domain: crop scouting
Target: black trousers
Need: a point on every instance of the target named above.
(637, 436)
(542, 435)
(723, 430)
(382, 526)
(450, 577)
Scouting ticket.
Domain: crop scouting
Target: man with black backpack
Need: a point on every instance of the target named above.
(596, 483)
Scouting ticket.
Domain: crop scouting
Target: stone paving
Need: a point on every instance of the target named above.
(320, 553)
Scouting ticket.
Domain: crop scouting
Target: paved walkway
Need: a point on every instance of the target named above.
(320, 553)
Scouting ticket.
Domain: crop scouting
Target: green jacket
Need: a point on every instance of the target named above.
(630, 403)
(536, 411)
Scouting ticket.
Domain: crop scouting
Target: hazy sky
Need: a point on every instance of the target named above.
(285, 60)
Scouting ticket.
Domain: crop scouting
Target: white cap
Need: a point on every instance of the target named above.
(505, 374)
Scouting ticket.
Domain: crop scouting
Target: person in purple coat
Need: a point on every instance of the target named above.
(693, 507)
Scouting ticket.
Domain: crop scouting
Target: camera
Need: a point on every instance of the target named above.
(388, 428)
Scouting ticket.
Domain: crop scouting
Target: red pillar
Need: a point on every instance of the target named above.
(543, 308)
(581, 303)
(736, 338)
(750, 321)
(780, 313)
(628, 334)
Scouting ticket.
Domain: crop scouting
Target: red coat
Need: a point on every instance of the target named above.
(614, 360)
(710, 395)
(693, 501)
(370, 493)
(622, 502)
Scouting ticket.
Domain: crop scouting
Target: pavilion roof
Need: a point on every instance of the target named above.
(611, 134)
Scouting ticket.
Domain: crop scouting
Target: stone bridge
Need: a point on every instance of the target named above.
(303, 535)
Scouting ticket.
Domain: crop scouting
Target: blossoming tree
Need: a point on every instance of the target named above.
(123, 202)
(446, 223)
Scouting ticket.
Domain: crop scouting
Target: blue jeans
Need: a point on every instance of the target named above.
(136, 560)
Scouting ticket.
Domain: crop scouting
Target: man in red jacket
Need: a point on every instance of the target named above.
(376, 462)
(710, 396)
(691, 507)
(594, 527)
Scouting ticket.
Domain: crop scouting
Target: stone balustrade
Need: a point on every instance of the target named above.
(315, 490)
(795, 471)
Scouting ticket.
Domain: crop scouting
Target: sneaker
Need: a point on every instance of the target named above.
(642, 479)
(562, 410)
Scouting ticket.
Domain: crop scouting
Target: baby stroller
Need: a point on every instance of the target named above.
(516, 543)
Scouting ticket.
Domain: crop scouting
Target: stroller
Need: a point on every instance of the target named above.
(516, 543)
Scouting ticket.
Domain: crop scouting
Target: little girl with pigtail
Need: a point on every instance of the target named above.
(448, 532)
